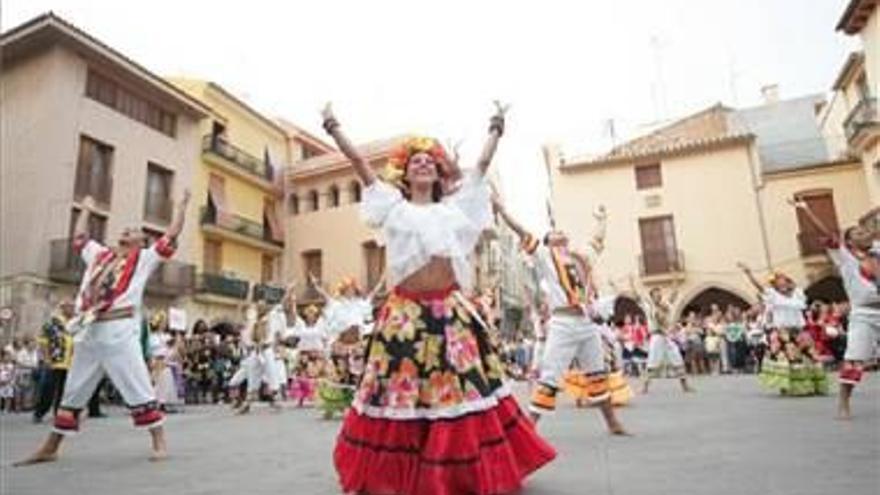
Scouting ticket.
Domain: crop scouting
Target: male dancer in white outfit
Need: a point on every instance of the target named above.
(261, 366)
(860, 271)
(107, 330)
(664, 358)
(565, 278)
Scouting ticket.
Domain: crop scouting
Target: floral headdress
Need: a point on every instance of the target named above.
(312, 310)
(395, 169)
(346, 283)
(776, 275)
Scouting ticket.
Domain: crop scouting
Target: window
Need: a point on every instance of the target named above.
(96, 226)
(293, 204)
(313, 200)
(821, 202)
(355, 189)
(648, 176)
(273, 229)
(659, 250)
(374, 258)
(213, 256)
(94, 171)
(268, 269)
(158, 206)
(312, 263)
(107, 91)
(333, 196)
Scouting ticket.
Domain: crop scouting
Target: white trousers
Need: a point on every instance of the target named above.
(112, 348)
(258, 367)
(863, 334)
(663, 353)
(569, 338)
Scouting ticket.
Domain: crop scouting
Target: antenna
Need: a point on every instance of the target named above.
(659, 93)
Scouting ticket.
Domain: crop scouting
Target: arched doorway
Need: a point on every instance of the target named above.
(826, 289)
(702, 302)
(626, 306)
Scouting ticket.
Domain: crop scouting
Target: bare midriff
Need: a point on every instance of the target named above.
(436, 275)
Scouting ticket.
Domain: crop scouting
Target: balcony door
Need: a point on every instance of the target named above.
(659, 250)
(821, 202)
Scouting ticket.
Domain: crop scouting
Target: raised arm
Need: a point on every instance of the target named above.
(361, 166)
(751, 276)
(375, 290)
(317, 285)
(496, 130)
(812, 217)
(81, 229)
(179, 217)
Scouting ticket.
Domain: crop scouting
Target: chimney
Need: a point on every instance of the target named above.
(770, 93)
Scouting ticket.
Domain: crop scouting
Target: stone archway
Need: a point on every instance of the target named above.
(826, 289)
(702, 301)
(626, 306)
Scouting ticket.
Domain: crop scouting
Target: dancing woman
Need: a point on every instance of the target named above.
(431, 414)
(860, 272)
(791, 365)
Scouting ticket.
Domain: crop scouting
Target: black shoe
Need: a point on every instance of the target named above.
(37, 420)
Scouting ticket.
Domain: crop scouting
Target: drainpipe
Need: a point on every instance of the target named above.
(757, 187)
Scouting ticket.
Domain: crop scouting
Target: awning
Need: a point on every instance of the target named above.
(217, 192)
(273, 217)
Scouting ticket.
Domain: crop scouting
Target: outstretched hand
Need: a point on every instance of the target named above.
(327, 111)
(601, 213)
(500, 110)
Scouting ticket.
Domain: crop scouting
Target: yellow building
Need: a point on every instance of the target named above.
(689, 201)
(237, 192)
(858, 87)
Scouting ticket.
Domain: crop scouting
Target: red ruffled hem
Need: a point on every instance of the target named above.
(489, 452)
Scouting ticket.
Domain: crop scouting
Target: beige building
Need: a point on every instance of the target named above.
(689, 201)
(79, 118)
(857, 89)
(325, 235)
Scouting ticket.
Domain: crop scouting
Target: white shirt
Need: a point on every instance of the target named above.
(311, 337)
(785, 311)
(345, 312)
(549, 284)
(148, 260)
(27, 358)
(861, 292)
(415, 234)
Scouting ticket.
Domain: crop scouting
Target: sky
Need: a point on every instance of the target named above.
(434, 67)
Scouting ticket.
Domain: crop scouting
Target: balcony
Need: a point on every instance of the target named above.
(270, 293)
(239, 228)
(661, 264)
(171, 278)
(223, 285)
(862, 125)
(237, 161)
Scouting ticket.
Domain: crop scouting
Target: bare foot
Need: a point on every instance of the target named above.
(244, 409)
(843, 414)
(618, 430)
(158, 455)
(689, 390)
(38, 458)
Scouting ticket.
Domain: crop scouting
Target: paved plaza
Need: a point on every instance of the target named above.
(729, 438)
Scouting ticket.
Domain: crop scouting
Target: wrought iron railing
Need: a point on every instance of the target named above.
(270, 293)
(238, 224)
(223, 285)
(864, 114)
(240, 158)
(661, 262)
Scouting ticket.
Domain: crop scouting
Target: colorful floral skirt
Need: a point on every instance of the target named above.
(791, 366)
(431, 414)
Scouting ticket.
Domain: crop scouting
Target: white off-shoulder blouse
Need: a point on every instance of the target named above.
(414, 233)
